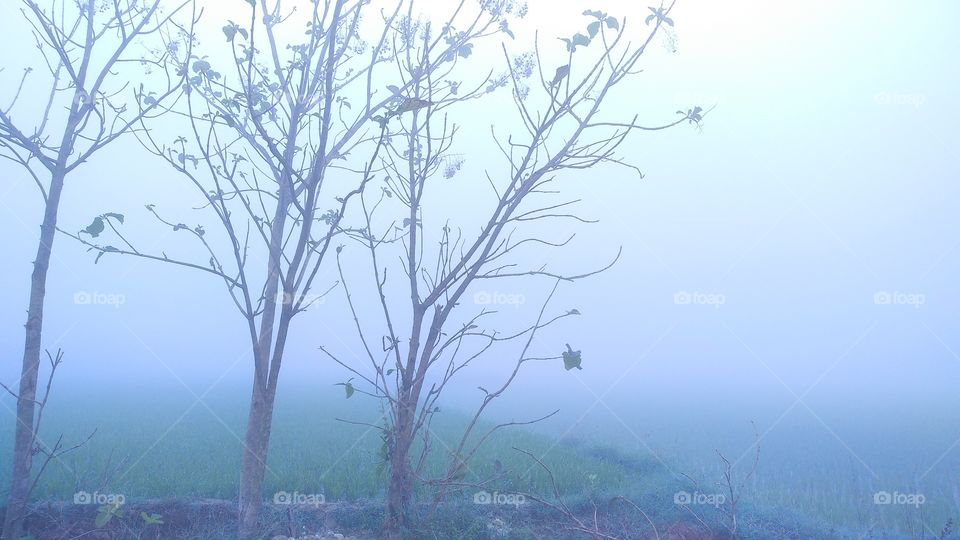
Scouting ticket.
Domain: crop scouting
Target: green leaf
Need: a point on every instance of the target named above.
(95, 228)
(230, 31)
(412, 104)
(576, 41)
(151, 519)
(571, 359)
(560, 75)
(252, 2)
(613, 23)
(594, 28)
(659, 15)
(465, 50)
(184, 158)
(102, 519)
(114, 215)
(347, 388)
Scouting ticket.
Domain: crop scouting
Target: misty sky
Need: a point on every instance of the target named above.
(811, 224)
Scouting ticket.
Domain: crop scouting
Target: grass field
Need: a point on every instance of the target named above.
(162, 446)
(159, 443)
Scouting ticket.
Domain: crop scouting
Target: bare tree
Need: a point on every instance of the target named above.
(733, 487)
(88, 102)
(283, 133)
(561, 131)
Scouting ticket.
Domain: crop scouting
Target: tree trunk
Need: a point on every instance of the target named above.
(25, 438)
(400, 488)
(257, 440)
(254, 464)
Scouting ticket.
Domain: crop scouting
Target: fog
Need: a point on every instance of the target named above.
(787, 263)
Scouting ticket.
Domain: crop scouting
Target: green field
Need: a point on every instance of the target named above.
(161, 443)
(161, 446)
